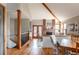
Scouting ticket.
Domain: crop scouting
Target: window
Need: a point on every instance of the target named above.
(57, 27)
(65, 29)
(57, 30)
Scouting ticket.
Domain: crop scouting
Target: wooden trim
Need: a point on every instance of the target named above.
(29, 40)
(5, 32)
(49, 10)
(27, 43)
(4, 29)
(19, 28)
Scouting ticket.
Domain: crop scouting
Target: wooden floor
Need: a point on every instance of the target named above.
(32, 49)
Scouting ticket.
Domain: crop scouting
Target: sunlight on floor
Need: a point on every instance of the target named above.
(35, 43)
(35, 49)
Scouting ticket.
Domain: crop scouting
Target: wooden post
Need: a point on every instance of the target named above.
(19, 28)
(44, 26)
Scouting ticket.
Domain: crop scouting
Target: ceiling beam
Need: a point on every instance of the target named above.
(49, 11)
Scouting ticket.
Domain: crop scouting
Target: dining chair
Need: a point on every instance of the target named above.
(76, 52)
(59, 50)
(77, 48)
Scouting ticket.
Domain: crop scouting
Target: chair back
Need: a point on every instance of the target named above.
(77, 47)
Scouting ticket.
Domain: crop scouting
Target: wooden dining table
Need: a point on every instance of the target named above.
(65, 43)
(67, 46)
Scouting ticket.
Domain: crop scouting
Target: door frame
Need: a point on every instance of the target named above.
(4, 29)
(37, 31)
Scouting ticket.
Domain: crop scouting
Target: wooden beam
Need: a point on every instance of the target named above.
(49, 11)
(19, 28)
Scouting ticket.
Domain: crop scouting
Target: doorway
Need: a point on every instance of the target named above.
(37, 31)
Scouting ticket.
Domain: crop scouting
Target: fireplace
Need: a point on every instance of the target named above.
(48, 33)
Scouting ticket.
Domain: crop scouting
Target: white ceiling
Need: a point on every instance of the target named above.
(12, 7)
(64, 11)
(36, 11)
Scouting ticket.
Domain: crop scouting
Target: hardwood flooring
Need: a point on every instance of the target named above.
(31, 49)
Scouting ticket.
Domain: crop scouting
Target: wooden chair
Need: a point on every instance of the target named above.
(59, 49)
(75, 52)
(77, 48)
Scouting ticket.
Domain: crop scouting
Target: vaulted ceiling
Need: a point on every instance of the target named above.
(62, 11)
(34, 11)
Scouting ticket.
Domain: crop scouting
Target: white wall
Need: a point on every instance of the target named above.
(73, 20)
(13, 27)
(25, 25)
(37, 22)
(25, 10)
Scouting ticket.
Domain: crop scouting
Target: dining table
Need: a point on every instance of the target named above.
(66, 43)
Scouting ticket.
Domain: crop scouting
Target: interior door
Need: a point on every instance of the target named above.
(37, 31)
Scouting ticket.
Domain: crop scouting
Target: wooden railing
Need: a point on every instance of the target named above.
(15, 39)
